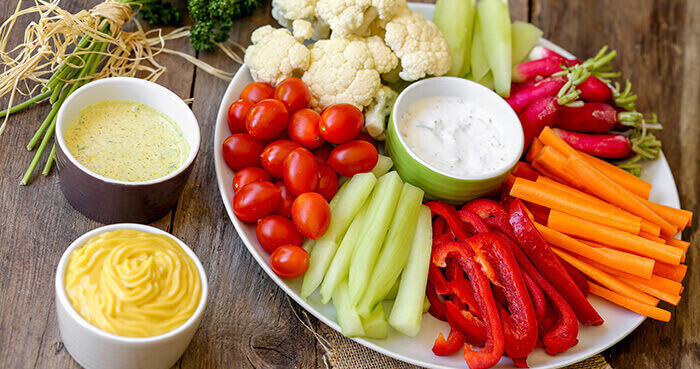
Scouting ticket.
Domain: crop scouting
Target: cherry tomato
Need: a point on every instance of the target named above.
(237, 113)
(267, 119)
(323, 152)
(272, 157)
(311, 215)
(289, 261)
(274, 231)
(256, 200)
(285, 208)
(300, 171)
(353, 157)
(294, 93)
(249, 175)
(340, 123)
(362, 136)
(303, 128)
(242, 150)
(327, 182)
(257, 91)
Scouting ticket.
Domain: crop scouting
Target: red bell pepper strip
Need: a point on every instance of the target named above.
(438, 227)
(454, 342)
(449, 213)
(472, 220)
(438, 281)
(520, 362)
(463, 321)
(453, 270)
(493, 214)
(578, 278)
(443, 238)
(491, 353)
(437, 306)
(463, 291)
(536, 295)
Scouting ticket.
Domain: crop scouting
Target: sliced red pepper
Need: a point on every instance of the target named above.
(438, 281)
(536, 295)
(493, 214)
(474, 221)
(549, 265)
(491, 353)
(443, 238)
(500, 296)
(578, 278)
(462, 289)
(454, 342)
(449, 213)
(462, 320)
(437, 306)
(438, 227)
(520, 362)
(453, 270)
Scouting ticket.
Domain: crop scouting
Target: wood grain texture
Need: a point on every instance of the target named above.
(249, 322)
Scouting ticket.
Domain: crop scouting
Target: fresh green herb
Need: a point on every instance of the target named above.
(215, 18)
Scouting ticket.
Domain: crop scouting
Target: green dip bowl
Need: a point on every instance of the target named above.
(438, 184)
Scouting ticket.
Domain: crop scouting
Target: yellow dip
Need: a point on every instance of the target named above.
(126, 140)
(133, 283)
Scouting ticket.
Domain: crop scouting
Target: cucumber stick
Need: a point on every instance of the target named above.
(478, 60)
(494, 24)
(524, 37)
(344, 207)
(348, 319)
(394, 290)
(395, 250)
(409, 304)
(455, 19)
(375, 325)
(384, 164)
(380, 212)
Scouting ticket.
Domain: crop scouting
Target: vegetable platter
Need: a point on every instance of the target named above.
(619, 322)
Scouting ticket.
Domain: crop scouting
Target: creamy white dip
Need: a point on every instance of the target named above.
(454, 135)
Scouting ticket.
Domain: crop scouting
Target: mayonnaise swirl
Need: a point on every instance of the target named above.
(133, 283)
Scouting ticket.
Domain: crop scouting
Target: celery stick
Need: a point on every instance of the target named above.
(494, 21)
(426, 304)
(350, 323)
(383, 166)
(394, 290)
(379, 214)
(344, 207)
(455, 19)
(409, 305)
(338, 270)
(524, 36)
(394, 253)
(308, 245)
(478, 59)
(375, 325)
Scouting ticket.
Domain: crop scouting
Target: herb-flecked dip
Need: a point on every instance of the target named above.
(126, 140)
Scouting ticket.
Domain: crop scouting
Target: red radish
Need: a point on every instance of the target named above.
(540, 52)
(609, 145)
(537, 68)
(595, 90)
(544, 112)
(544, 88)
(591, 117)
(517, 87)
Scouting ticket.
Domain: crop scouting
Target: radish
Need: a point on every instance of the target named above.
(540, 52)
(537, 68)
(544, 88)
(612, 145)
(543, 112)
(591, 117)
(595, 90)
(516, 87)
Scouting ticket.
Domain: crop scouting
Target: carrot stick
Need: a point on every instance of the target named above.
(623, 178)
(603, 187)
(626, 262)
(678, 217)
(661, 295)
(683, 245)
(551, 163)
(672, 272)
(639, 308)
(557, 199)
(535, 149)
(606, 279)
(524, 170)
(651, 237)
(651, 228)
(611, 237)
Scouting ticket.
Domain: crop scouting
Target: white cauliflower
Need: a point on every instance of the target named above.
(347, 70)
(419, 44)
(357, 17)
(378, 110)
(302, 30)
(286, 12)
(275, 54)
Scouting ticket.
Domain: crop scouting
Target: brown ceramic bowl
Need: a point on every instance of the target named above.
(108, 200)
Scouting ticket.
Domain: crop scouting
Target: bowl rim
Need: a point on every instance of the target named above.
(468, 84)
(140, 83)
(62, 297)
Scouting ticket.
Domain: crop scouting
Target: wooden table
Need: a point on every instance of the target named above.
(249, 322)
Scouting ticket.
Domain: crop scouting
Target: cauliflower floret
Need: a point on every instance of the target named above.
(286, 12)
(275, 55)
(419, 44)
(347, 70)
(378, 111)
(302, 30)
(357, 17)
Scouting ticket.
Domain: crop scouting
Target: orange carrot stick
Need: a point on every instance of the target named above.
(661, 295)
(551, 163)
(535, 149)
(611, 237)
(606, 279)
(524, 170)
(672, 272)
(639, 308)
(650, 228)
(683, 245)
(603, 187)
(651, 237)
(678, 217)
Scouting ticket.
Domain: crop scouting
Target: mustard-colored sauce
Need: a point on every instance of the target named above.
(133, 283)
(126, 140)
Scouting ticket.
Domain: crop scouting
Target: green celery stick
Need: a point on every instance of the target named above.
(409, 304)
(426, 305)
(455, 19)
(344, 207)
(350, 323)
(394, 290)
(394, 253)
(478, 59)
(375, 325)
(384, 164)
(524, 37)
(494, 21)
(380, 211)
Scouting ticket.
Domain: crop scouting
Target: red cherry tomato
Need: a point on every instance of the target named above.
(340, 123)
(249, 175)
(242, 150)
(294, 93)
(272, 157)
(362, 136)
(267, 119)
(256, 200)
(300, 171)
(303, 128)
(353, 157)
(237, 113)
(257, 91)
(323, 152)
(285, 208)
(327, 182)
(311, 215)
(289, 261)
(275, 230)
